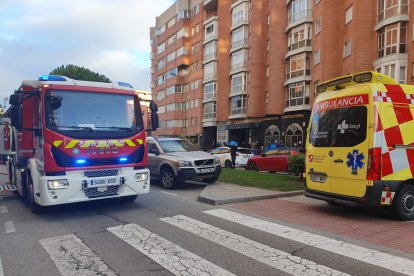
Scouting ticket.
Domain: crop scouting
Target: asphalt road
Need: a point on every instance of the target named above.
(170, 233)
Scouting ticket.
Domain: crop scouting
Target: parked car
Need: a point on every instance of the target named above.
(275, 160)
(175, 160)
(223, 153)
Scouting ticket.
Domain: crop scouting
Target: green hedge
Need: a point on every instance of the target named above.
(296, 164)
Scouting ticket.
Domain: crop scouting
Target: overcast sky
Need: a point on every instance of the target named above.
(110, 37)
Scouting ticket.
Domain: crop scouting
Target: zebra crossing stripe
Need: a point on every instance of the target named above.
(169, 255)
(7, 188)
(394, 263)
(72, 257)
(265, 254)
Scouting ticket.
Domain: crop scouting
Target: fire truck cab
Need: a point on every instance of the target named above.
(77, 141)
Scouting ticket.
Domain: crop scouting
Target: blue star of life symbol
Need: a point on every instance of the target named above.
(355, 161)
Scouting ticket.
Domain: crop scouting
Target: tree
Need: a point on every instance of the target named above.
(79, 73)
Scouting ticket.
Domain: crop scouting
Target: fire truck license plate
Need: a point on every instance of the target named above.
(103, 182)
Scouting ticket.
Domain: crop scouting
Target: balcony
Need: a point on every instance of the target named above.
(209, 97)
(210, 5)
(211, 36)
(304, 16)
(209, 77)
(240, 89)
(238, 67)
(239, 112)
(239, 44)
(392, 15)
(210, 57)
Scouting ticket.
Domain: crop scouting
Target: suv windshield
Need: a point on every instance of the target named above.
(80, 111)
(341, 127)
(176, 146)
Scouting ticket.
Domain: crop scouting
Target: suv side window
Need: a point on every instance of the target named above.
(152, 147)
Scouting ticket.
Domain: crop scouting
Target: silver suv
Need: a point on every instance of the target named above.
(174, 160)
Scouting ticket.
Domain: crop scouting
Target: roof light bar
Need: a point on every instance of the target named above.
(51, 78)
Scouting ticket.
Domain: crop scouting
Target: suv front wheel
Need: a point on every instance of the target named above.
(168, 179)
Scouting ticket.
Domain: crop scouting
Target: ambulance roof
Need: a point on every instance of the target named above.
(354, 79)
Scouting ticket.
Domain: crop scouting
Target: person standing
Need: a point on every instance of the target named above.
(233, 153)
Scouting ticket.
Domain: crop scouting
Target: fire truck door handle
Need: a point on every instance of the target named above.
(339, 161)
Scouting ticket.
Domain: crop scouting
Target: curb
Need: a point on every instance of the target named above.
(211, 201)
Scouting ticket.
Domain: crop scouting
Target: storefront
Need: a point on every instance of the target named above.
(288, 129)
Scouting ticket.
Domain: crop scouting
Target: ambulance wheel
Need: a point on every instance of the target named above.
(168, 179)
(403, 203)
(36, 208)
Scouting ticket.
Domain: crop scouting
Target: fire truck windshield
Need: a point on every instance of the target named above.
(86, 112)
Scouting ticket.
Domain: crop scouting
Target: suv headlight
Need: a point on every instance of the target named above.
(181, 163)
(217, 161)
(57, 184)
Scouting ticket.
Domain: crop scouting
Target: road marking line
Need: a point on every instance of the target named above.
(168, 193)
(3, 209)
(398, 264)
(278, 259)
(1, 268)
(9, 225)
(72, 257)
(175, 259)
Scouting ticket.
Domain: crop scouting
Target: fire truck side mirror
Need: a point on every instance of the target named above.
(16, 99)
(154, 115)
(17, 117)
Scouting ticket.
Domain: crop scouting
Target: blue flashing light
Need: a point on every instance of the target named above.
(51, 78)
(124, 84)
(123, 159)
(80, 161)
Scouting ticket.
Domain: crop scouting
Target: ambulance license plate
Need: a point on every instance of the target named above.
(317, 178)
(103, 182)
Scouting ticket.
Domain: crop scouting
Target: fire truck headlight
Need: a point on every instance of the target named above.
(141, 176)
(57, 184)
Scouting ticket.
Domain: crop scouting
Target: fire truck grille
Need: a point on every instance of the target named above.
(93, 192)
(204, 162)
(101, 173)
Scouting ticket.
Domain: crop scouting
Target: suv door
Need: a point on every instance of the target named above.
(153, 152)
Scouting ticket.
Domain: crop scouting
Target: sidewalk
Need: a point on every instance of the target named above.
(224, 193)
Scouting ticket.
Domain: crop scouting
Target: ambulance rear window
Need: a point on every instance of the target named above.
(341, 127)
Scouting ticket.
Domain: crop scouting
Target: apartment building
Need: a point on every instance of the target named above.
(261, 61)
(176, 69)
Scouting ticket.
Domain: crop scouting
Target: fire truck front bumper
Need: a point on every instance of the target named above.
(87, 185)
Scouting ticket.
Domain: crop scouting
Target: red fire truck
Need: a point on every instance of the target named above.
(77, 141)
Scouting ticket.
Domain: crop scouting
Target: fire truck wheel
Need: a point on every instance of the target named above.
(36, 208)
(168, 178)
(403, 204)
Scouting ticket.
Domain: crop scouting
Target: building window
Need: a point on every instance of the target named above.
(209, 110)
(317, 57)
(210, 90)
(267, 71)
(402, 78)
(392, 39)
(171, 56)
(318, 26)
(210, 31)
(348, 15)
(171, 22)
(299, 9)
(161, 64)
(160, 30)
(317, 2)
(160, 48)
(347, 48)
(161, 95)
(239, 36)
(239, 59)
(315, 87)
(182, 33)
(272, 136)
(210, 70)
(297, 94)
(390, 8)
(294, 136)
(268, 19)
(298, 65)
(171, 39)
(210, 51)
(300, 37)
(238, 105)
(238, 83)
(268, 45)
(161, 79)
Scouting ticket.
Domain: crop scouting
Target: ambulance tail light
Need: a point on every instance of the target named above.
(374, 164)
